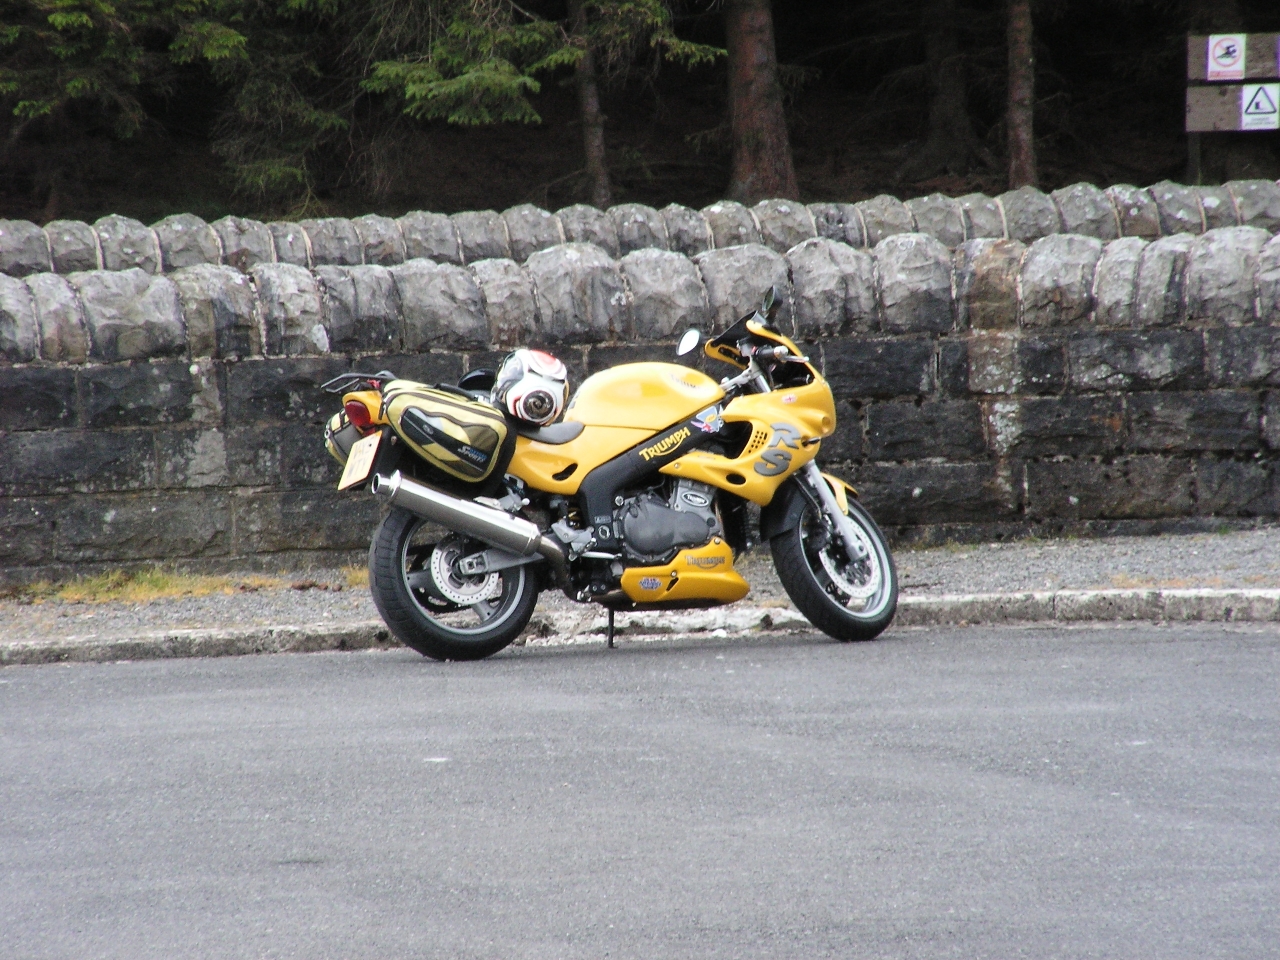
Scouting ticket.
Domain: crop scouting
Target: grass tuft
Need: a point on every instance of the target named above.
(139, 586)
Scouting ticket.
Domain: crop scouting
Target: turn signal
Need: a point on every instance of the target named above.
(358, 414)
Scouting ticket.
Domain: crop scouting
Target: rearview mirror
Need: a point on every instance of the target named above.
(770, 304)
(689, 342)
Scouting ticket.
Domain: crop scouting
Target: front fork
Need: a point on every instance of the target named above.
(818, 487)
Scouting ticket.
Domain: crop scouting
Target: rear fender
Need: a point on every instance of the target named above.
(784, 511)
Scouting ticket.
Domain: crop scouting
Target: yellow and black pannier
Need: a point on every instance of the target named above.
(468, 440)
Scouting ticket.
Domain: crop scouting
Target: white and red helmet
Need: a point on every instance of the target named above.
(533, 386)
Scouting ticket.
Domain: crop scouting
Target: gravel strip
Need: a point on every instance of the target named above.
(1238, 559)
(1244, 560)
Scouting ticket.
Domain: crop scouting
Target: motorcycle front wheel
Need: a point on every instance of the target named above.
(848, 598)
(432, 608)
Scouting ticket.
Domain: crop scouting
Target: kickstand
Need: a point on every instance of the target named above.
(609, 635)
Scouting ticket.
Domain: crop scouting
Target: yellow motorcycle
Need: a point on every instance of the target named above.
(636, 499)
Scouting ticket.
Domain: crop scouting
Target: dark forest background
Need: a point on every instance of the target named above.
(288, 108)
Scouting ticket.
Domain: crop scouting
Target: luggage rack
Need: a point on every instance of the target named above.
(345, 381)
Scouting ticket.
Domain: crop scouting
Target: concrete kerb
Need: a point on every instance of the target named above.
(1079, 606)
(1060, 606)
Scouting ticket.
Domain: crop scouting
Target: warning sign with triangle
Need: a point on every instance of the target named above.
(1258, 106)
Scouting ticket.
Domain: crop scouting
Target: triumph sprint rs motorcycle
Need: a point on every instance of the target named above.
(636, 499)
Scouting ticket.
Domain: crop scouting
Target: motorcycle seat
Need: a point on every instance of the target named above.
(555, 433)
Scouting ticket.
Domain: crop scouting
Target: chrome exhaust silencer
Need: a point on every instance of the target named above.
(484, 523)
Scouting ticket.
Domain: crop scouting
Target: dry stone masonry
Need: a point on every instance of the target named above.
(1025, 215)
(1081, 360)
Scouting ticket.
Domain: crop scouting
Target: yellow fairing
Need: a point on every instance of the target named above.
(787, 426)
(841, 490)
(644, 396)
(538, 464)
(704, 573)
(622, 407)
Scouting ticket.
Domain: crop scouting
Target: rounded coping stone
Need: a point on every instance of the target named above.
(24, 249)
(63, 337)
(19, 329)
(731, 224)
(440, 303)
(834, 289)
(940, 217)
(982, 217)
(333, 240)
(1057, 280)
(130, 314)
(126, 243)
(73, 246)
(291, 243)
(430, 235)
(531, 229)
(737, 277)
(1257, 202)
(1219, 207)
(784, 223)
(915, 284)
(289, 304)
(1086, 210)
(1028, 214)
(1179, 208)
(667, 294)
(245, 243)
(884, 216)
(687, 230)
(218, 308)
(986, 275)
(1269, 296)
(840, 222)
(509, 301)
(1221, 268)
(583, 223)
(380, 240)
(1161, 278)
(482, 234)
(639, 227)
(185, 240)
(582, 297)
(361, 307)
(1137, 210)
(1115, 283)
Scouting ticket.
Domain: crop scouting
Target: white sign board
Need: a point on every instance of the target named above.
(1260, 106)
(1226, 56)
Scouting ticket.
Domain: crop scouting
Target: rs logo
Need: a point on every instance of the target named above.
(774, 460)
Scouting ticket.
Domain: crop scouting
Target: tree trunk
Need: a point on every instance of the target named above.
(950, 146)
(762, 165)
(1022, 94)
(592, 119)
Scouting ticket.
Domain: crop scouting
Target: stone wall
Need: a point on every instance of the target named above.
(1001, 386)
(184, 240)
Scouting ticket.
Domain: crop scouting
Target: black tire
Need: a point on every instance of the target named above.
(812, 589)
(432, 625)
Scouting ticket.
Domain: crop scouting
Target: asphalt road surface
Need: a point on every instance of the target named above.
(1104, 792)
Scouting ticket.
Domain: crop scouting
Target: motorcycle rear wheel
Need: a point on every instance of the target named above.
(400, 579)
(824, 599)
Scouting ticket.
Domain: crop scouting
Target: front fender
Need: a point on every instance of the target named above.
(784, 511)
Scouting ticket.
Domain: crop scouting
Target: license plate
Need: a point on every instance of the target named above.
(360, 461)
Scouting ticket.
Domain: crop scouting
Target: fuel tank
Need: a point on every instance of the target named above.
(642, 396)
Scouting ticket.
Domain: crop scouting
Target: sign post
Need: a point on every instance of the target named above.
(1228, 88)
